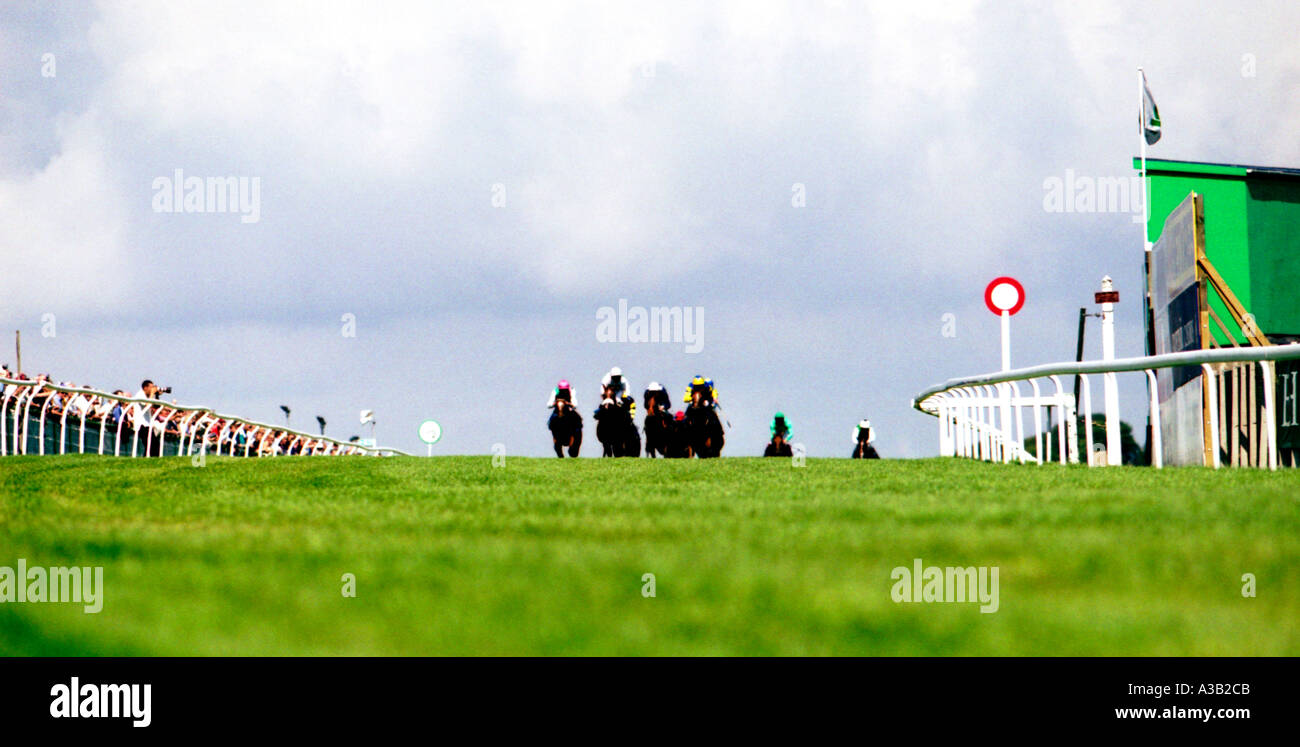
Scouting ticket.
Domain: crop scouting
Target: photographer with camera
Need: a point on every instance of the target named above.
(148, 390)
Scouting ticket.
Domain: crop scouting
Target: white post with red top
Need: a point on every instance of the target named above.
(1005, 296)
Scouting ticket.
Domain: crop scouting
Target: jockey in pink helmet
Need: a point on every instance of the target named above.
(562, 391)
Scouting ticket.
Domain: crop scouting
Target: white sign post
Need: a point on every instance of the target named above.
(430, 432)
(1107, 297)
(1004, 297)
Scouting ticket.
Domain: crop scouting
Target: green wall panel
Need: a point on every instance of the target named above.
(1274, 230)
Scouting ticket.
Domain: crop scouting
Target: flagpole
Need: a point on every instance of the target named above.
(1142, 145)
(1146, 242)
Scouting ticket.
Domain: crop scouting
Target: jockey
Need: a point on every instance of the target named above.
(863, 432)
(562, 391)
(862, 438)
(781, 426)
(625, 402)
(705, 388)
(656, 398)
(564, 423)
(614, 379)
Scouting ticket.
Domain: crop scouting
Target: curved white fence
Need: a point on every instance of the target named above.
(982, 416)
(145, 421)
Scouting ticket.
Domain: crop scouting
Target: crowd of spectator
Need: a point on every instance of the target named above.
(156, 429)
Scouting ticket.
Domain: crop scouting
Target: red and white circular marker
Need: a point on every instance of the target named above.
(1004, 294)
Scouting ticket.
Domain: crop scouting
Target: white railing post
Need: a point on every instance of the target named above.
(103, 423)
(944, 443)
(4, 411)
(1156, 445)
(185, 431)
(44, 408)
(27, 414)
(1212, 383)
(956, 423)
(1114, 448)
(18, 403)
(222, 436)
(1019, 409)
(972, 432)
(1060, 421)
(143, 414)
(1038, 422)
(81, 427)
(965, 423)
(1087, 418)
(995, 429)
(117, 437)
(986, 443)
(1270, 415)
(1004, 421)
(63, 429)
(943, 426)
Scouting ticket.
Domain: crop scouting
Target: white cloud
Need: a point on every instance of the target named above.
(61, 230)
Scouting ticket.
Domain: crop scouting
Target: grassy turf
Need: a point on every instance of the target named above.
(453, 556)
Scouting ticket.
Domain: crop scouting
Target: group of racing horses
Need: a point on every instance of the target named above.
(694, 432)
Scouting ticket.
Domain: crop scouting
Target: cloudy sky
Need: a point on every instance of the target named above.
(472, 182)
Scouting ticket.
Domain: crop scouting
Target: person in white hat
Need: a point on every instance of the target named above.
(658, 420)
(862, 438)
(614, 380)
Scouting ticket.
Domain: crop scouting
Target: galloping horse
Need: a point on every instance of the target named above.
(615, 427)
(565, 425)
(658, 421)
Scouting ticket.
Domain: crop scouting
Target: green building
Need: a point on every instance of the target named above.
(1252, 235)
(1244, 221)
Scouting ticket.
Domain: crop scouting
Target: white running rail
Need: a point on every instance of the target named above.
(982, 416)
(194, 427)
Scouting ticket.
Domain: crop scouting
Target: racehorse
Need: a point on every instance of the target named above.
(864, 450)
(679, 444)
(863, 436)
(704, 431)
(659, 423)
(565, 425)
(616, 430)
(658, 433)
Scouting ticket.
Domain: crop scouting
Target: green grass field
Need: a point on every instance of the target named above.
(453, 556)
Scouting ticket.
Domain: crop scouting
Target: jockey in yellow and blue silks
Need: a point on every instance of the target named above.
(708, 392)
(703, 424)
